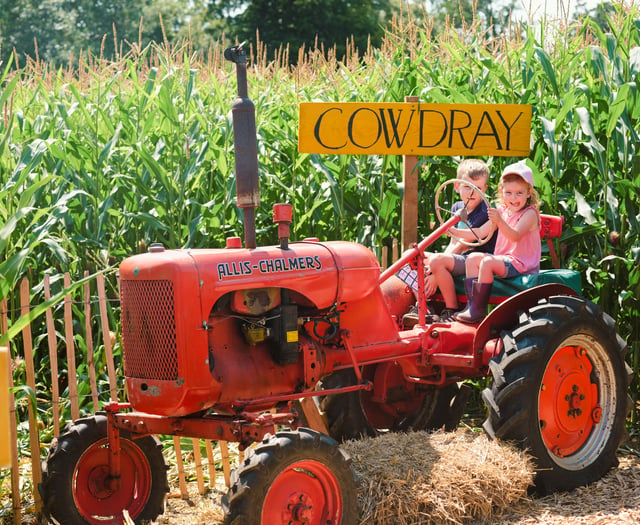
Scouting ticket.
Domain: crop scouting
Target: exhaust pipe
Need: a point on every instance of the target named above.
(245, 143)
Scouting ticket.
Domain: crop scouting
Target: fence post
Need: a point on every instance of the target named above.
(182, 482)
(72, 377)
(89, 344)
(197, 458)
(34, 437)
(13, 429)
(226, 462)
(106, 336)
(211, 463)
(5, 385)
(53, 359)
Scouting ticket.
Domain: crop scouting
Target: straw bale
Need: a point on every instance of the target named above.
(442, 477)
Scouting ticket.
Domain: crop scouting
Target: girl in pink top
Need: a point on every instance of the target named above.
(518, 247)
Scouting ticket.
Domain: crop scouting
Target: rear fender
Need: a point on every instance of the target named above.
(506, 314)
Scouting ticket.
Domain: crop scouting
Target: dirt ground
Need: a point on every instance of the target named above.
(615, 499)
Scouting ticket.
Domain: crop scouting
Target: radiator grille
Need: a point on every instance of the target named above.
(149, 330)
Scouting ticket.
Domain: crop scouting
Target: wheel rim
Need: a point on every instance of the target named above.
(97, 498)
(392, 399)
(577, 402)
(305, 492)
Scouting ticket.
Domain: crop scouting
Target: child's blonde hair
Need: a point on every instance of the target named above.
(473, 169)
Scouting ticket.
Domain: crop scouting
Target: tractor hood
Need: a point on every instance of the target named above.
(324, 273)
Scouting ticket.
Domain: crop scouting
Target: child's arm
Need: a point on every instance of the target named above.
(473, 234)
(455, 246)
(527, 223)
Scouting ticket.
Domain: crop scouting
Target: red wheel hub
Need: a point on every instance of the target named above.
(100, 498)
(305, 492)
(300, 509)
(568, 401)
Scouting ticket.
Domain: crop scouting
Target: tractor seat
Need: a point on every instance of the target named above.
(504, 288)
(550, 228)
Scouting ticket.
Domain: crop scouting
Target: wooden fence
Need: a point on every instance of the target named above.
(28, 464)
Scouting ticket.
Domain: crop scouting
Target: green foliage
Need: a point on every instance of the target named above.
(57, 31)
(493, 17)
(63, 33)
(310, 24)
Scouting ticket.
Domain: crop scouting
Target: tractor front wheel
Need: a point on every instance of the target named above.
(293, 477)
(559, 390)
(78, 490)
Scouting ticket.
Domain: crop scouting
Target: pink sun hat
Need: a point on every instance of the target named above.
(521, 169)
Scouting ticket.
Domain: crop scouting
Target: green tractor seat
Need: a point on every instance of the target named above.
(504, 288)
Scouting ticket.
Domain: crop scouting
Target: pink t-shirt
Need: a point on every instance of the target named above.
(524, 254)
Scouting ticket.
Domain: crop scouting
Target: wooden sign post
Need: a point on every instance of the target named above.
(409, 216)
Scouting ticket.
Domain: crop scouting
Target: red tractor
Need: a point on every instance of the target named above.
(225, 343)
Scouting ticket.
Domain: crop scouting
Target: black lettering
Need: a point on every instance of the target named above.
(246, 267)
(506, 125)
(293, 263)
(493, 133)
(351, 127)
(222, 270)
(394, 127)
(279, 265)
(318, 263)
(316, 130)
(431, 125)
(269, 265)
(309, 262)
(458, 128)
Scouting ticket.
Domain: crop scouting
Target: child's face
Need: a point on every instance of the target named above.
(515, 194)
(470, 197)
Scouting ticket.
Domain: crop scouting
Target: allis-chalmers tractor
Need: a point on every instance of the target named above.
(229, 344)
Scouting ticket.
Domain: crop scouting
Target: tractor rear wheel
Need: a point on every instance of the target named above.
(559, 390)
(77, 490)
(293, 477)
(404, 407)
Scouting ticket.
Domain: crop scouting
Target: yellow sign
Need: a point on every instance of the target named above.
(5, 431)
(413, 128)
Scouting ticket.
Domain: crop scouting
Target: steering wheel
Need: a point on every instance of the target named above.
(463, 217)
